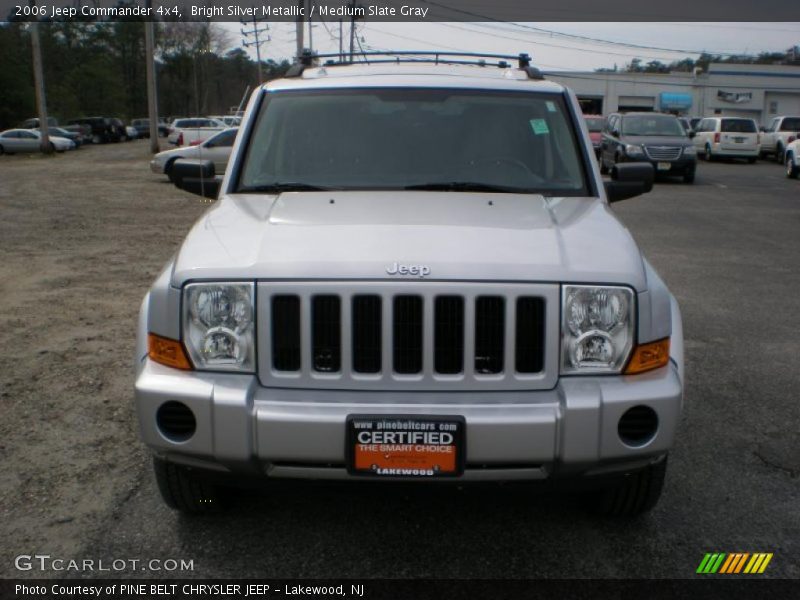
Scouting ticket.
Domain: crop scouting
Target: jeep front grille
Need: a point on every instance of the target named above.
(663, 152)
(408, 335)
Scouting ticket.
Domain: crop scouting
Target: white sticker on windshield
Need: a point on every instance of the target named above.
(539, 126)
(551, 106)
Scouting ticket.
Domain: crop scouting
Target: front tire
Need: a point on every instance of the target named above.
(688, 177)
(792, 170)
(182, 490)
(707, 155)
(638, 493)
(751, 160)
(780, 154)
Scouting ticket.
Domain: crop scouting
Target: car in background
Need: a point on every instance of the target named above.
(792, 154)
(781, 132)
(84, 132)
(34, 123)
(131, 132)
(142, 127)
(217, 149)
(28, 140)
(104, 129)
(686, 124)
(728, 137)
(693, 121)
(76, 138)
(656, 138)
(595, 125)
(229, 120)
(187, 132)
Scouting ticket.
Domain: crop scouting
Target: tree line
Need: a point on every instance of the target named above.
(98, 69)
(688, 65)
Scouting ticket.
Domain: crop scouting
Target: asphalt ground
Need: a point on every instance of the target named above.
(728, 248)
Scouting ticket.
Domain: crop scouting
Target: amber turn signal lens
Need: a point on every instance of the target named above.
(647, 357)
(167, 352)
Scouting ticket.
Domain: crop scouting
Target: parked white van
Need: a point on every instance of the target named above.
(729, 137)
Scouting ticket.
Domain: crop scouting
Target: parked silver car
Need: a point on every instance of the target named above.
(412, 272)
(216, 149)
(29, 140)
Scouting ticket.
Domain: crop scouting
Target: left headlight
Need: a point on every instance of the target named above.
(634, 150)
(597, 329)
(218, 328)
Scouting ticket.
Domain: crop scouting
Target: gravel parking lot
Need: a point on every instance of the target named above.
(83, 234)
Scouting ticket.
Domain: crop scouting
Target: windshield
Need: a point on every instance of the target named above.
(738, 126)
(401, 138)
(655, 125)
(595, 125)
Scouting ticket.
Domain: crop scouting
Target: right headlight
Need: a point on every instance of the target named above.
(634, 150)
(597, 328)
(218, 326)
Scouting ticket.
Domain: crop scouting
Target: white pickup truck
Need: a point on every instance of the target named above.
(781, 132)
(188, 132)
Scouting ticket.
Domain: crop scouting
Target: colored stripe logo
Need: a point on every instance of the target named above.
(734, 563)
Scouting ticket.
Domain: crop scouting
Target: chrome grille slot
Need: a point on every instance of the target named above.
(489, 334)
(286, 333)
(663, 152)
(529, 335)
(326, 333)
(407, 335)
(366, 333)
(448, 335)
(395, 336)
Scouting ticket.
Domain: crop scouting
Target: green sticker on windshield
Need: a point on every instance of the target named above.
(551, 107)
(539, 126)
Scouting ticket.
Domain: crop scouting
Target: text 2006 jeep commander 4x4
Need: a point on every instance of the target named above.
(412, 272)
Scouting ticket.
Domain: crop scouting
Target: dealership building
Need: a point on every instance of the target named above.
(760, 92)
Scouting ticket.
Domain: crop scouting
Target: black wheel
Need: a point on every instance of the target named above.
(1, 149)
(688, 177)
(181, 489)
(636, 494)
(751, 160)
(52, 147)
(780, 154)
(792, 170)
(707, 153)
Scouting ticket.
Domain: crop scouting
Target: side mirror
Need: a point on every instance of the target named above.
(629, 180)
(196, 176)
(615, 133)
(692, 133)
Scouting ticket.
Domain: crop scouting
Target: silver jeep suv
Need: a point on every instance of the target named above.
(412, 273)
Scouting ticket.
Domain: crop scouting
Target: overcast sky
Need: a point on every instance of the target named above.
(559, 46)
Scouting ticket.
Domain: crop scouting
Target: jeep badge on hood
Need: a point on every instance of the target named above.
(417, 270)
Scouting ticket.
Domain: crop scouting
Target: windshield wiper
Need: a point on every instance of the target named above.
(280, 187)
(466, 186)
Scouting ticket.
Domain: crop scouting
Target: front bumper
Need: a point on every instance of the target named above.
(244, 428)
(678, 166)
(156, 166)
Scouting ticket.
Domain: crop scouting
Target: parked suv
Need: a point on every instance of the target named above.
(104, 129)
(728, 137)
(781, 132)
(655, 138)
(388, 289)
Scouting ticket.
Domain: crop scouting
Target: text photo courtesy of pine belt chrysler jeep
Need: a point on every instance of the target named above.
(412, 272)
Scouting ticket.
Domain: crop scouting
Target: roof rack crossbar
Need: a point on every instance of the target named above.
(523, 59)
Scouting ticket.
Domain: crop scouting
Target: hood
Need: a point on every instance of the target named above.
(457, 236)
(656, 140)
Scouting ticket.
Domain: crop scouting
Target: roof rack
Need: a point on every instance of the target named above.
(307, 59)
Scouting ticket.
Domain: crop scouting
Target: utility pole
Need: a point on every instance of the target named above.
(341, 42)
(257, 43)
(152, 103)
(299, 27)
(310, 27)
(38, 80)
(352, 29)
